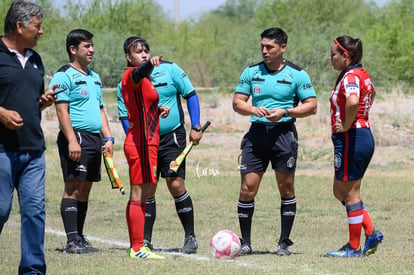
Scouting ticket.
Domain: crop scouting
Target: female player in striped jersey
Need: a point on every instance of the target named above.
(351, 100)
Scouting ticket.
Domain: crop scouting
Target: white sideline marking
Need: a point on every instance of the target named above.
(126, 245)
(61, 233)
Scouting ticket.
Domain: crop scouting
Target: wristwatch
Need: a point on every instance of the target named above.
(196, 127)
(286, 114)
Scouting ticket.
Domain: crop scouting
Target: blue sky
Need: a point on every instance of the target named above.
(193, 8)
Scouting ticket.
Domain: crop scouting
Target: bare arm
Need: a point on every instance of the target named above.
(351, 109)
(11, 119)
(48, 98)
(106, 132)
(308, 107)
(67, 129)
(242, 107)
(373, 96)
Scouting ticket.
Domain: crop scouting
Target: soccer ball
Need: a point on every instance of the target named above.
(225, 244)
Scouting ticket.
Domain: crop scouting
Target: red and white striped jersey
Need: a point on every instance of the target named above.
(356, 81)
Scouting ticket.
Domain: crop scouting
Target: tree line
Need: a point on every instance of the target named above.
(214, 48)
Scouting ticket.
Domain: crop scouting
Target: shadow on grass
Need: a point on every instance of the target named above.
(267, 252)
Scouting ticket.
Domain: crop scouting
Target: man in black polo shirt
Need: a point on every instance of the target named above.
(22, 145)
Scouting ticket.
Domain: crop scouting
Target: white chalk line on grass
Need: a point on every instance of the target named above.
(91, 238)
(125, 245)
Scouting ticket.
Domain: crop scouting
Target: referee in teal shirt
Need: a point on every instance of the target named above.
(276, 87)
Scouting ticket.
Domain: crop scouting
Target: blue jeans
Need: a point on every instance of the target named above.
(25, 171)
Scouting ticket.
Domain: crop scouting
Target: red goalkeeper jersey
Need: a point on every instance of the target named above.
(141, 100)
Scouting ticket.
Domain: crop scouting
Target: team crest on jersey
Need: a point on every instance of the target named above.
(337, 160)
(256, 89)
(83, 92)
(291, 162)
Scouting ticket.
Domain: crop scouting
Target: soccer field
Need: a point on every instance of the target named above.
(213, 182)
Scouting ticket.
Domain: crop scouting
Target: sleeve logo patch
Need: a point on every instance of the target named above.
(351, 86)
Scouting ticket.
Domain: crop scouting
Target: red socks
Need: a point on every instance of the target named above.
(355, 214)
(367, 222)
(135, 216)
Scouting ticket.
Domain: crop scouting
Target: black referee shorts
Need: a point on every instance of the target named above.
(264, 143)
(89, 166)
(171, 145)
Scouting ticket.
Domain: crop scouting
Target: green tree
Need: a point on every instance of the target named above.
(216, 47)
(397, 35)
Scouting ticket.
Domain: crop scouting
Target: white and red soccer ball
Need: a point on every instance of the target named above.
(225, 244)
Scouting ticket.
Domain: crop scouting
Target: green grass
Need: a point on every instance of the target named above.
(320, 224)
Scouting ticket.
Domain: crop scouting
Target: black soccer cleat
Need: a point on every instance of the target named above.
(190, 245)
(283, 248)
(245, 248)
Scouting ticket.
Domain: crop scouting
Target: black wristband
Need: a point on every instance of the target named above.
(196, 127)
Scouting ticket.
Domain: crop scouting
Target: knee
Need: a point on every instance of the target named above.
(151, 193)
(176, 187)
(246, 194)
(287, 190)
(338, 196)
(338, 193)
(71, 194)
(177, 192)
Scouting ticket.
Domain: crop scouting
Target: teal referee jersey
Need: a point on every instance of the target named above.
(84, 95)
(275, 90)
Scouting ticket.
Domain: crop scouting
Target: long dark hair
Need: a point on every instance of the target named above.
(352, 46)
